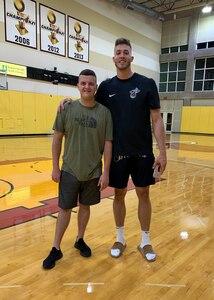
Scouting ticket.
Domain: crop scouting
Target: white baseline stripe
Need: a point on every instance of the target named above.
(83, 283)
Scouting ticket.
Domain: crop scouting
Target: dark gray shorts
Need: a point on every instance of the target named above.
(71, 190)
(138, 167)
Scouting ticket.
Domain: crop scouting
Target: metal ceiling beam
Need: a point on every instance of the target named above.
(170, 6)
(188, 7)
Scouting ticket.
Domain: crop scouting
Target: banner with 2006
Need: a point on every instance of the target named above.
(20, 22)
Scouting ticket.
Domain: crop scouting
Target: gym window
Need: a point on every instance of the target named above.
(172, 76)
(204, 74)
(174, 49)
(205, 45)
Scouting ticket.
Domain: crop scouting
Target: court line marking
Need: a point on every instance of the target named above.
(201, 222)
(82, 283)
(191, 163)
(176, 142)
(56, 217)
(190, 208)
(10, 190)
(89, 285)
(165, 285)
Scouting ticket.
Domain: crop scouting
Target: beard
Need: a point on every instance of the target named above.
(123, 66)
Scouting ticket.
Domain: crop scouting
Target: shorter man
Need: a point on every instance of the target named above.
(87, 127)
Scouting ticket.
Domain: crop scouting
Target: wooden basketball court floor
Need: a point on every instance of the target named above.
(182, 230)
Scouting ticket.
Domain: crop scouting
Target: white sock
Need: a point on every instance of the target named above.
(121, 239)
(146, 241)
(120, 235)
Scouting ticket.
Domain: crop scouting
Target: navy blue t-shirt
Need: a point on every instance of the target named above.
(130, 102)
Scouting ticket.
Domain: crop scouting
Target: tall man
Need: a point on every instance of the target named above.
(134, 103)
(87, 128)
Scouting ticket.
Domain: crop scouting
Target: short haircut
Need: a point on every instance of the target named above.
(121, 41)
(88, 72)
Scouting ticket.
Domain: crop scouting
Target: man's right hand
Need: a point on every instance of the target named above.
(62, 103)
(56, 174)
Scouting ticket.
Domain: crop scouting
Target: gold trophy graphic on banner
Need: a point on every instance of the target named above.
(78, 29)
(20, 7)
(52, 19)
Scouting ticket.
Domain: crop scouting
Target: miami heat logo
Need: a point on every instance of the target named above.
(133, 93)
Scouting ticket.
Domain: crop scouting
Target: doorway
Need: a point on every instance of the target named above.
(167, 119)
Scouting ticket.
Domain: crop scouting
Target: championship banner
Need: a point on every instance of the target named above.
(20, 22)
(78, 39)
(52, 30)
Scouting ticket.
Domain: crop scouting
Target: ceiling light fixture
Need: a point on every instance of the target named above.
(207, 9)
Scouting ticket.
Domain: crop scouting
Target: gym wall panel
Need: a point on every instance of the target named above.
(27, 113)
(4, 110)
(197, 120)
(202, 102)
(11, 120)
(29, 117)
(40, 113)
(15, 124)
(211, 121)
(185, 120)
(52, 102)
(15, 103)
(195, 115)
(4, 103)
(205, 33)
(203, 122)
(175, 32)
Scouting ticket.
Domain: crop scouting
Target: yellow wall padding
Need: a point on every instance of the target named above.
(198, 119)
(27, 113)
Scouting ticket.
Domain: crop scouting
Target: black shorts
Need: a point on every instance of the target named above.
(71, 190)
(139, 167)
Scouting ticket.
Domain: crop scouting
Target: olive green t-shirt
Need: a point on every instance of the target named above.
(85, 129)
